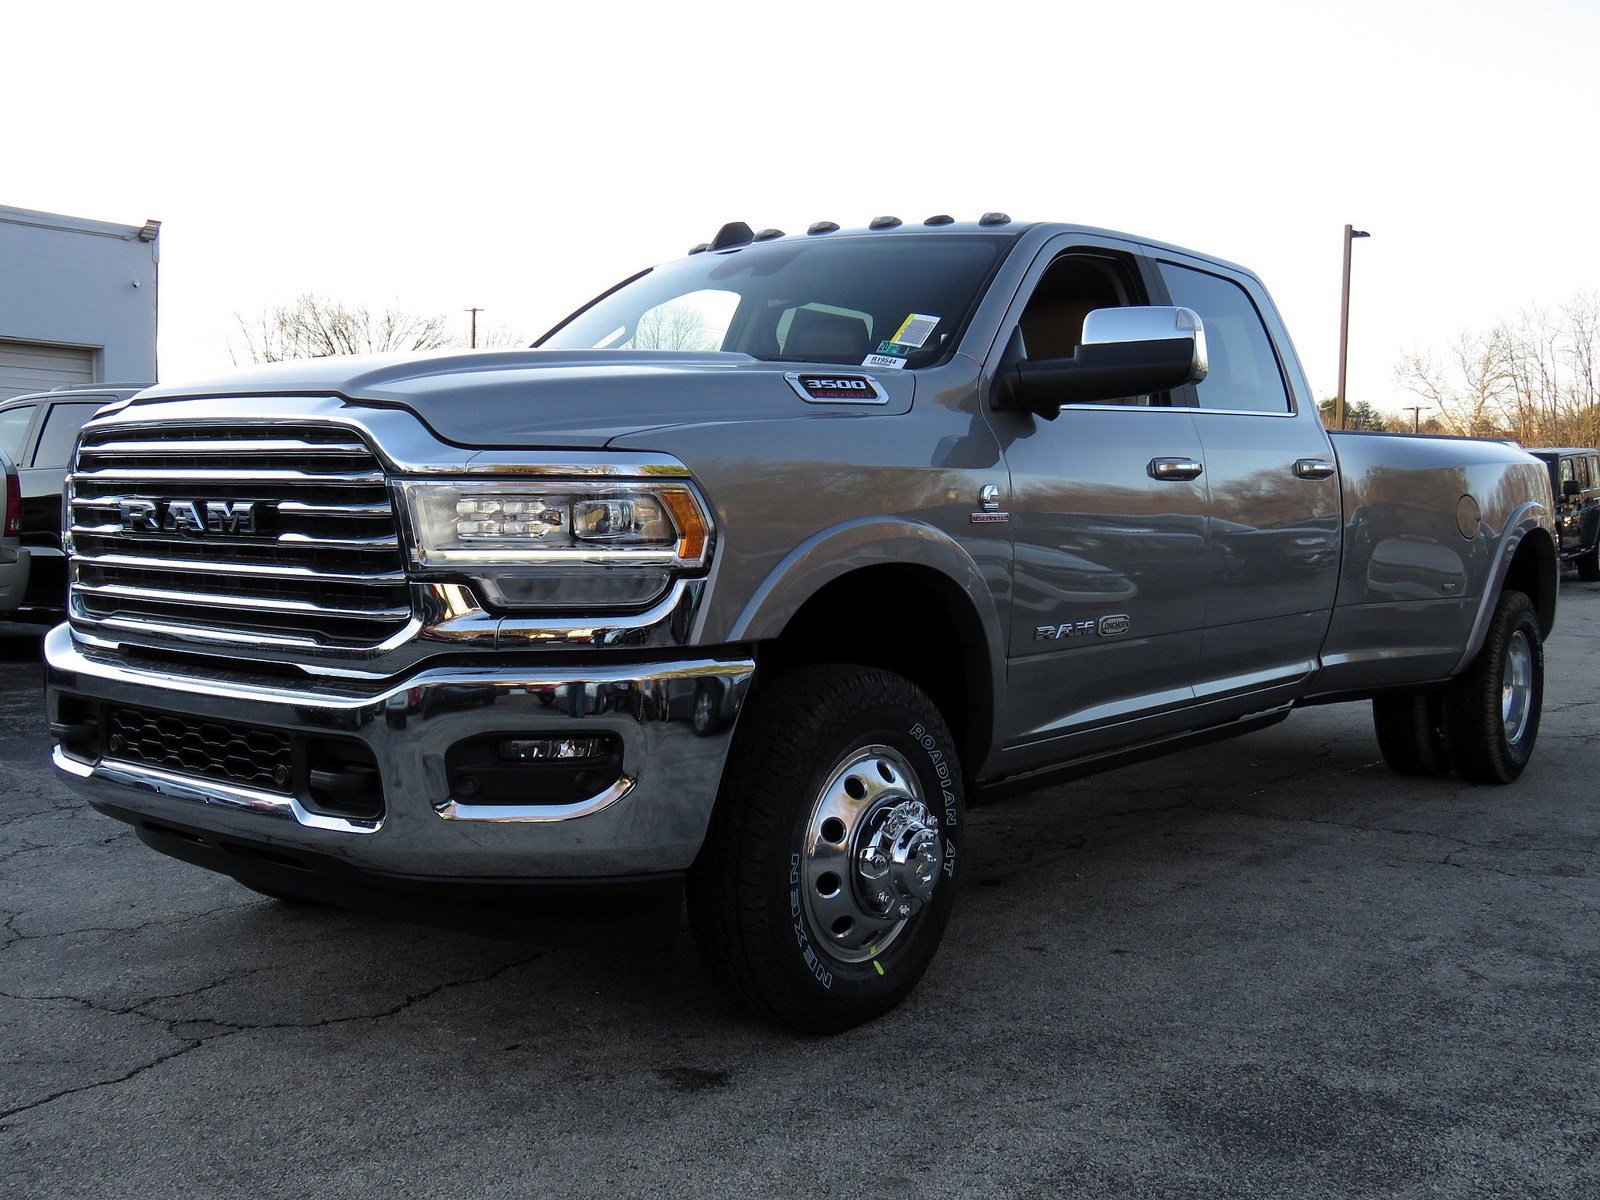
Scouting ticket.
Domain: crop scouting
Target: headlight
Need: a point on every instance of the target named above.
(558, 544)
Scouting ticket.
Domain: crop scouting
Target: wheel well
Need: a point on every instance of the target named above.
(911, 620)
(1535, 572)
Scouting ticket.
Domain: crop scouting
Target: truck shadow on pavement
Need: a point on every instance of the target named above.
(1178, 953)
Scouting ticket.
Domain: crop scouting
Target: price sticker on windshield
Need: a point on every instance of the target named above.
(915, 331)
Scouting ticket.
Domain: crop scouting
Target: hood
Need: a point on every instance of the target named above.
(552, 398)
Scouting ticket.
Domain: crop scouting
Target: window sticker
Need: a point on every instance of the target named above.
(915, 330)
(893, 348)
(888, 361)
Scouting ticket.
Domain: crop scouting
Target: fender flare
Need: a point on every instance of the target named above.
(853, 545)
(1529, 516)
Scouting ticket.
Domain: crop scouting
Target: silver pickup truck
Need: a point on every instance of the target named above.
(750, 576)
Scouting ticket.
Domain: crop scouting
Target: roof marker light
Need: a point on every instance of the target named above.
(995, 218)
(734, 233)
(766, 235)
(823, 227)
(884, 222)
(940, 219)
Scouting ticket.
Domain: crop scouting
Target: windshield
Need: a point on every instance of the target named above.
(887, 301)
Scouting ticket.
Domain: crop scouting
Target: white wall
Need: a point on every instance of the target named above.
(71, 281)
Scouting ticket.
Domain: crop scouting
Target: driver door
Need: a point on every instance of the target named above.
(1110, 558)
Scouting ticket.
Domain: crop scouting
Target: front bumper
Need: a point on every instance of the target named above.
(673, 720)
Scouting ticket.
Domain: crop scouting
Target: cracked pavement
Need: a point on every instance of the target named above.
(1265, 968)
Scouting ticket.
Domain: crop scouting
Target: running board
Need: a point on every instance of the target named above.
(1095, 764)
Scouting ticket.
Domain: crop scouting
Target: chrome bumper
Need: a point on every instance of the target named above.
(652, 820)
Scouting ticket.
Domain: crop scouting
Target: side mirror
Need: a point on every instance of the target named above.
(1124, 352)
(1570, 488)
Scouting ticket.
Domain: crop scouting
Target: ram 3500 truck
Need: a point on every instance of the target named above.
(748, 576)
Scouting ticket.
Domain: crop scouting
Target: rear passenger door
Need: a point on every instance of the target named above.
(1274, 493)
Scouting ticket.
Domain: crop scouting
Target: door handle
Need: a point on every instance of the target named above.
(1313, 468)
(1174, 470)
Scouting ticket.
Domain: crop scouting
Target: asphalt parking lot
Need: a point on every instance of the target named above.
(1267, 968)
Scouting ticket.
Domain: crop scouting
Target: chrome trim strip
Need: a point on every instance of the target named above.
(125, 591)
(140, 562)
(383, 542)
(223, 475)
(178, 447)
(66, 655)
(535, 814)
(302, 509)
(205, 791)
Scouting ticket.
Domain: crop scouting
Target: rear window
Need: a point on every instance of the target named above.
(60, 433)
(13, 429)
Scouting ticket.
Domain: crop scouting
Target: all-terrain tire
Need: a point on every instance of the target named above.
(1491, 712)
(1410, 732)
(751, 922)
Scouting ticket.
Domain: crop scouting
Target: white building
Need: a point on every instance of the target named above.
(77, 301)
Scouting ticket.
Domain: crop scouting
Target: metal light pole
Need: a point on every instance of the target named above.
(1350, 234)
(1416, 411)
(475, 311)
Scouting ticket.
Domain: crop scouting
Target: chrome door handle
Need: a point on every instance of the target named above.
(1174, 470)
(1313, 468)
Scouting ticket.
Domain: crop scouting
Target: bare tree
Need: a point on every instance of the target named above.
(673, 326)
(313, 327)
(1535, 378)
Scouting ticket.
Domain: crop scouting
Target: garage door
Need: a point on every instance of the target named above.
(35, 367)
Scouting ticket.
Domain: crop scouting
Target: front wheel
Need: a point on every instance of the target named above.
(1491, 713)
(830, 868)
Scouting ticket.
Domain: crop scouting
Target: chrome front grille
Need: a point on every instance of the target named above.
(278, 533)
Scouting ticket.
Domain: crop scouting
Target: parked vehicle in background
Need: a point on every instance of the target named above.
(37, 433)
(13, 563)
(1575, 485)
(752, 573)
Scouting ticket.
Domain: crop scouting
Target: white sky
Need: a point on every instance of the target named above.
(522, 158)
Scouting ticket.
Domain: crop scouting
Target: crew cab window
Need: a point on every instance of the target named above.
(1568, 472)
(60, 433)
(1244, 373)
(13, 429)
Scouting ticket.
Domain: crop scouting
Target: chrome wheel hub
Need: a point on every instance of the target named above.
(1516, 687)
(871, 856)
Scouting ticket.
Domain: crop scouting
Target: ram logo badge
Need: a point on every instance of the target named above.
(1112, 626)
(187, 516)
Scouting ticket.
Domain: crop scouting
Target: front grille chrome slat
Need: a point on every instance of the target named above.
(187, 475)
(162, 448)
(315, 560)
(255, 603)
(267, 570)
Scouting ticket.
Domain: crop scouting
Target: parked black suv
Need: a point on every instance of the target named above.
(1575, 483)
(38, 432)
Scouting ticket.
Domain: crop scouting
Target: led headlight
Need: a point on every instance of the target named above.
(535, 544)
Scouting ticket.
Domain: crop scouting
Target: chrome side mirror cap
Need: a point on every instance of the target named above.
(1151, 323)
(1122, 352)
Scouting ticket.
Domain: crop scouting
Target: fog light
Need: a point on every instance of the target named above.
(552, 748)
